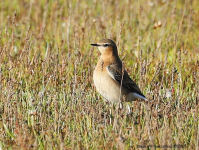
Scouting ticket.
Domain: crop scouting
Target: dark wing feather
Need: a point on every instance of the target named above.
(116, 74)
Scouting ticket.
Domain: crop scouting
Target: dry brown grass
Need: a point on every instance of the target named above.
(48, 100)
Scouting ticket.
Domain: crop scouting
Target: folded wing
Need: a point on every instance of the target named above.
(123, 79)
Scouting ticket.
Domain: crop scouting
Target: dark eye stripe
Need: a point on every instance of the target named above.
(106, 45)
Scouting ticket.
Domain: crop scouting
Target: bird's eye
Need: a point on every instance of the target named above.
(106, 45)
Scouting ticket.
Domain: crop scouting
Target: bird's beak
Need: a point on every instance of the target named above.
(95, 45)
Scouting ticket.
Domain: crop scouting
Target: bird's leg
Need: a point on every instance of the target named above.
(110, 111)
(115, 124)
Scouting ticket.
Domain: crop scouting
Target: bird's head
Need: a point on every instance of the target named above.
(106, 47)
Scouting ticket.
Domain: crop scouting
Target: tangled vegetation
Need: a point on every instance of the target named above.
(47, 96)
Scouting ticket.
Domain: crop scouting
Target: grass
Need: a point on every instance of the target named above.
(48, 100)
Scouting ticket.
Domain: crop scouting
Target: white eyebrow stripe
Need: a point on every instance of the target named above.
(104, 43)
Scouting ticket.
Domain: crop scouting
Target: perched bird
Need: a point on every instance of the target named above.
(110, 78)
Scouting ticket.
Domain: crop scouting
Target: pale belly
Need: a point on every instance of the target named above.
(108, 87)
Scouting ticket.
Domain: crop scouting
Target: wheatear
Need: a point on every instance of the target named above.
(110, 78)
